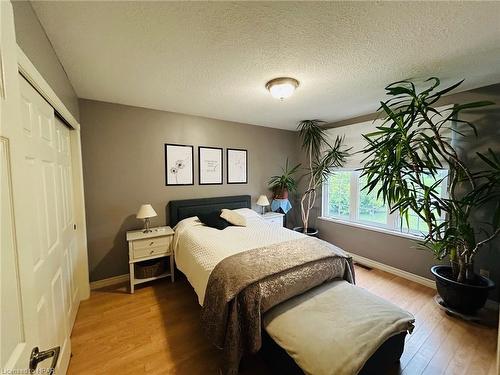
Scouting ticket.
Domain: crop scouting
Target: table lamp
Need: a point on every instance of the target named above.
(263, 201)
(146, 212)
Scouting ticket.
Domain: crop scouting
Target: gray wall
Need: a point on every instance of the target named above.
(400, 252)
(33, 41)
(123, 163)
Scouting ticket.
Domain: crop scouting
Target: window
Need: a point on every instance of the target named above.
(415, 223)
(370, 208)
(338, 195)
(345, 199)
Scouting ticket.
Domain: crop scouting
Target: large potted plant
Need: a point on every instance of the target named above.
(323, 157)
(284, 183)
(404, 161)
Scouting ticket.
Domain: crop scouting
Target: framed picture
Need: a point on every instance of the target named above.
(237, 166)
(179, 167)
(210, 165)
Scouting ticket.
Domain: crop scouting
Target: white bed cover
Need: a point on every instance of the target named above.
(199, 248)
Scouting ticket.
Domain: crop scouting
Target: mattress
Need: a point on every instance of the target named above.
(198, 248)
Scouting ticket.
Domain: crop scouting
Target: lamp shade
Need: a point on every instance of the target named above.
(146, 211)
(263, 201)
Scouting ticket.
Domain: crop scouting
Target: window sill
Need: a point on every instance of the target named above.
(373, 228)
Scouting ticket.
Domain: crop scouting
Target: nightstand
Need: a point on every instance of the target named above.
(274, 218)
(145, 246)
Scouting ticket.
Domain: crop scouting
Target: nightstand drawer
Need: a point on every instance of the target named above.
(149, 243)
(278, 221)
(151, 251)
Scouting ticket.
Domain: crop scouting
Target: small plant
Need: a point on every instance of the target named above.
(322, 159)
(284, 183)
(408, 151)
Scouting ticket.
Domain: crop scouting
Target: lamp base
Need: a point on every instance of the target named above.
(146, 226)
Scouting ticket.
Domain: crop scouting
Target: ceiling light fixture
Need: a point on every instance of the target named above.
(282, 87)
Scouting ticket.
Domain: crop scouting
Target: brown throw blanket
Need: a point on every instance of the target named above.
(242, 287)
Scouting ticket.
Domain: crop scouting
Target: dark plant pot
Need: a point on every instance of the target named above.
(464, 298)
(313, 232)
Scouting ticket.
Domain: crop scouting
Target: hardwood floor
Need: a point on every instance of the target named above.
(157, 331)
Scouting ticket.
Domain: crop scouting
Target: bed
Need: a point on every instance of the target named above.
(198, 248)
(200, 251)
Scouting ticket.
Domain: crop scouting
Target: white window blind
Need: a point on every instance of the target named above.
(353, 136)
(353, 139)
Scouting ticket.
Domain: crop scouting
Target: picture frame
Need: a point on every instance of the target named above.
(179, 164)
(210, 165)
(237, 166)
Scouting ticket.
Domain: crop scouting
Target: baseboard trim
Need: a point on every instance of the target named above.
(490, 304)
(395, 271)
(109, 281)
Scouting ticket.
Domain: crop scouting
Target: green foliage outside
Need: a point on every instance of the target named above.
(339, 194)
(371, 208)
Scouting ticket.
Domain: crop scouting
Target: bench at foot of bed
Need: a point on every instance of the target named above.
(335, 329)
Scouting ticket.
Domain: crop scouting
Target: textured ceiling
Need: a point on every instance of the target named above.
(213, 58)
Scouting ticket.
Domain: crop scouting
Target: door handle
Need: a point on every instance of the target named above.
(37, 356)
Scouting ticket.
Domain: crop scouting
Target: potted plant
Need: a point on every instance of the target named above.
(285, 183)
(322, 158)
(403, 163)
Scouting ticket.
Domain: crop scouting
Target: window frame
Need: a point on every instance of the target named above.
(394, 223)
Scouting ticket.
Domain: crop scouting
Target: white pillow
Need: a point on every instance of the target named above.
(188, 222)
(246, 212)
(233, 217)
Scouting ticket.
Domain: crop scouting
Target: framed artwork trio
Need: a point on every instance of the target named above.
(179, 165)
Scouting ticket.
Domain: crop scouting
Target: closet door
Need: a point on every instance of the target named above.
(38, 257)
(18, 329)
(47, 162)
(66, 213)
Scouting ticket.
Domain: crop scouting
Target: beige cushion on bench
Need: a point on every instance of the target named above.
(335, 328)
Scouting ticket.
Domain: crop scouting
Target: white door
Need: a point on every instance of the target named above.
(18, 334)
(66, 206)
(47, 158)
(39, 296)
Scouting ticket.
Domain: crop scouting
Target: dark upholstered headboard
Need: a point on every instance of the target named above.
(185, 208)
